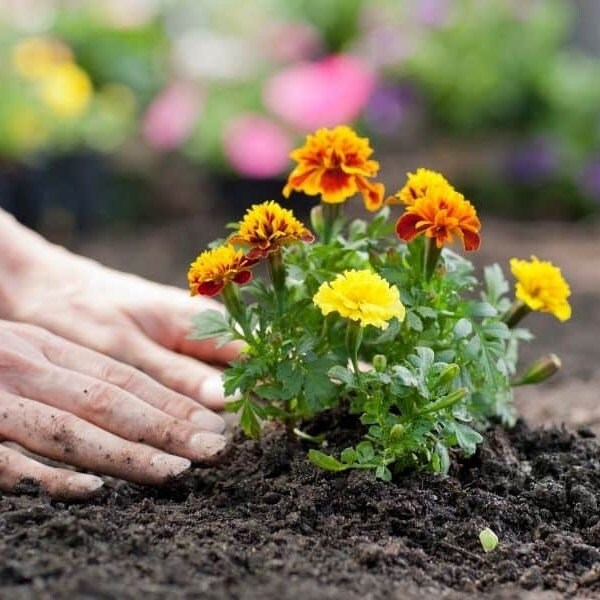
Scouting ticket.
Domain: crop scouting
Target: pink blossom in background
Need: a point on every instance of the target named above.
(256, 146)
(434, 13)
(291, 41)
(170, 118)
(324, 93)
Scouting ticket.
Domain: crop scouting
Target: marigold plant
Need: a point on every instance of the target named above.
(395, 330)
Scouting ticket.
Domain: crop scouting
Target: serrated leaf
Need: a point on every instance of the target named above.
(341, 374)
(365, 452)
(466, 437)
(249, 421)
(349, 456)
(324, 461)
(413, 322)
(426, 312)
(383, 473)
(482, 310)
(463, 328)
(497, 330)
(210, 324)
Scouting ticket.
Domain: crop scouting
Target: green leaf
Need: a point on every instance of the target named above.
(463, 328)
(210, 324)
(342, 374)
(249, 421)
(382, 472)
(349, 456)
(365, 452)
(426, 312)
(413, 322)
(466, 437)
(290, 377)
(482, 310)
(325, 461)
(495, 283)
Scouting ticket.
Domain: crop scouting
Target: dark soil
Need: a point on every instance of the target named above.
(269, 525)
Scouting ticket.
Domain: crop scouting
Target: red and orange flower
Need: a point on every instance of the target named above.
(417, 185)
(215, 268)
(267, 227)
(335, 164)
(441, 214)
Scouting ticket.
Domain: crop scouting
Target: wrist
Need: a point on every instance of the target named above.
(20, 251)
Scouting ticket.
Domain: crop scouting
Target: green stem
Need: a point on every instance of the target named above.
(236, 308)
(277, 273)
(432, 254)
(331, 212)
(515, 313)
(353, 339)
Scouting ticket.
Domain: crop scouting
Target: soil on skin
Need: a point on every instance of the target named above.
(267, 524)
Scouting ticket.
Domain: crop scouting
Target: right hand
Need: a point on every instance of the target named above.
(71, 404)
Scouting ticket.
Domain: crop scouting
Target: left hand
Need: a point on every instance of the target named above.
(135, 321)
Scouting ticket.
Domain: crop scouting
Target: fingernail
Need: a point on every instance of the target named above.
(166, 465)
(208, 420)
(207, 445)
(84, 484)
(211, 391)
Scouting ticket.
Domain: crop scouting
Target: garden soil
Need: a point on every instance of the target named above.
(267, 524)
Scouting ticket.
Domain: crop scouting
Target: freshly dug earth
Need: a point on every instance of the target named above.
(267, 524)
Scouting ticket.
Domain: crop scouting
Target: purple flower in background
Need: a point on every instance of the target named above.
(532, 163)
(590, 178)
(389, 107)
(434, 13)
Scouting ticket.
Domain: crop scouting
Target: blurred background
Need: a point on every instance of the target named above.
(133, 130)
(133, 111)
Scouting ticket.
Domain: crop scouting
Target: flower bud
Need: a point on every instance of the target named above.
(540, 370)
(397, 432)
(379, 363)
(449, 374)
(316, 218)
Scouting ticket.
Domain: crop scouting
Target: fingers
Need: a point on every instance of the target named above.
(89, 362)
(180, 373)
(59, 484)
(62, 436)
(119, 412)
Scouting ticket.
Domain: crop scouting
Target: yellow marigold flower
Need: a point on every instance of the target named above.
(66, 89)
(417, 185)
(32, 57)
(335, 164)
(214, 268)
(541, 286)
(361, 296)
(441, 214)
(267, 227)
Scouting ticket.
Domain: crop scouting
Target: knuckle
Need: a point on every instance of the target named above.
(61, 427)
(99, 400)
(170, 432)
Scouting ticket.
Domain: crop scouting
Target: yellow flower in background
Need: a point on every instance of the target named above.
(362, 296)
(267, 227)
(66, 89)
(541, 286)
(335, 164)
(417, 186)
(33, 57)
(26, 129)
(214, 268)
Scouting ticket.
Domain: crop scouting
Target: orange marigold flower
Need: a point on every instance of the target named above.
(417, 185)
(214, 268)
(335, 164)
(441, 214)
(267, 227)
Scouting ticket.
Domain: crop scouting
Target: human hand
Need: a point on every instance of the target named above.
(77, 406)
(135, 321)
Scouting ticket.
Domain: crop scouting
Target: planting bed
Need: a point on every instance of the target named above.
(267, 524)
